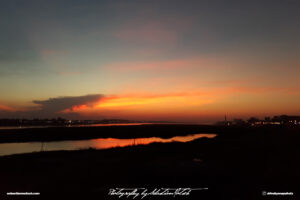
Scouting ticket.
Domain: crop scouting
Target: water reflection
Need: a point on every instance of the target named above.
(102, 143)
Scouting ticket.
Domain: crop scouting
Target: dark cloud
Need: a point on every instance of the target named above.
(54, 105)
(51, 107)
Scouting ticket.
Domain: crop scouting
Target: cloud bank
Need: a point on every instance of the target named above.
(55, 105)
(52, 107)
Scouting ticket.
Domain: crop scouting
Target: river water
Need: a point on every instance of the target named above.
(101, 143)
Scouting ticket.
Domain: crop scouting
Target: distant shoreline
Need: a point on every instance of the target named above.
(4, 127)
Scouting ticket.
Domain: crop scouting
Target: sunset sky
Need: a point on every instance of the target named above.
(187, 61)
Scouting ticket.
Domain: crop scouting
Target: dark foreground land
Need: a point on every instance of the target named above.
(240, 163)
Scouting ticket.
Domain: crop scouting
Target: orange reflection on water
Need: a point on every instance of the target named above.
(104, 143)
(113, 142)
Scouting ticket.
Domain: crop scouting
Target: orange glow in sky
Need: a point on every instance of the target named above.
(233, 101)
(6, 108)
(127, 101)
(138, 102)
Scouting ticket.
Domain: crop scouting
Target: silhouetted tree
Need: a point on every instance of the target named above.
(267, 119)
(252, 120)
(239, 122)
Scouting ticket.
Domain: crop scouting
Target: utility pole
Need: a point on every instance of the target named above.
(226, 122)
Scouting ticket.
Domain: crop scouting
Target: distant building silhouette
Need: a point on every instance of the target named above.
(253, 121)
